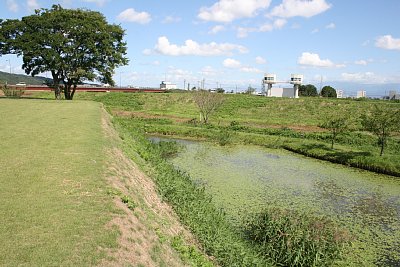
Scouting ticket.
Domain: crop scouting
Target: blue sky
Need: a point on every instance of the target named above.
(351, 45)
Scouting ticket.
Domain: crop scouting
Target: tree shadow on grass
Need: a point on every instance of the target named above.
(339, 156)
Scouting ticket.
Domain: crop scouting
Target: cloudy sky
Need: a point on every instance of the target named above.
(350, 44)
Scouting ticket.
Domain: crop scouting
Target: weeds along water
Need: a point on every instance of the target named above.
(230, 245)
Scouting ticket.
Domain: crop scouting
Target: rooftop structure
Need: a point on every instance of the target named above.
(270, 79)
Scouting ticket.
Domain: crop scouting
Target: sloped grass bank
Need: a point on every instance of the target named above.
(54, 207)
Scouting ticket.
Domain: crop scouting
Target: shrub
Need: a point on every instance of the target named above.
(295, 239)
(12, 92)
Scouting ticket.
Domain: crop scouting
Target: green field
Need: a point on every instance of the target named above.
(292, 124)
(53, 203)
(53, 150)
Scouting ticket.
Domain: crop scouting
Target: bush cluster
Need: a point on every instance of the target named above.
(11, 92)
(292, 238)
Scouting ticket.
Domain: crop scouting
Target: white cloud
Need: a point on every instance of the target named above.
(235, 64)
(242, 32)
(193, 48)
(229, 10)
(171, 19)
(361, 62)
(12, 5)
(330, 26)
(231, 63)
(315, 31)
(131, 15)
(208, 71)
(32, 5)
(388, 42)
(260, 60)
(300, 8)
(279, 23)
(250, 69)
(313, 60)
(97, 2)
(216, 29)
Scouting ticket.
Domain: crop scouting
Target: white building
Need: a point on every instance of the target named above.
(270, 79)
(339, 93)
(167, 85)
(281, 92)
(361, 94)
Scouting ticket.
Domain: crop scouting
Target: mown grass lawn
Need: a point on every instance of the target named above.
(54, 207)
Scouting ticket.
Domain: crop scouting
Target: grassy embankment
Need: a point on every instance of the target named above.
(53, 203)
(70, 197)
(167, 114)
(292, 124)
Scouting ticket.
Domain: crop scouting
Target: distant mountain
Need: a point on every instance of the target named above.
(17, 78)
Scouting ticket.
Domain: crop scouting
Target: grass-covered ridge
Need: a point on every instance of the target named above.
(54, 206)
(292, 124)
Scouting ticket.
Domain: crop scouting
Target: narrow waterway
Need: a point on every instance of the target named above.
(243, 179)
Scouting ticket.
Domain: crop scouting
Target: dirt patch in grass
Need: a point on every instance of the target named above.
(146, 230)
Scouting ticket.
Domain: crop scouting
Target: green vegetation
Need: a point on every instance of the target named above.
(337, 124)
(296, 239)
(382, 122)
(54, 208)
(11, 92)
(293, 124)
(246, 179)
(207, 103)
(328, 91)
(61, 41)
(308, 90)
(191, 203)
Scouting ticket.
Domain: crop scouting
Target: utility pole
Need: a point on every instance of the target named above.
(184, 84)
(188, 86)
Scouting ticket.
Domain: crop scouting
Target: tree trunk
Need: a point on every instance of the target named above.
(67, 92)
(382, 146)
(73, 92)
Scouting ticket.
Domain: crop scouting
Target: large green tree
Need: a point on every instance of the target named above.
(308, 90)
(328, 91)
(74, 45)
(382, 122)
